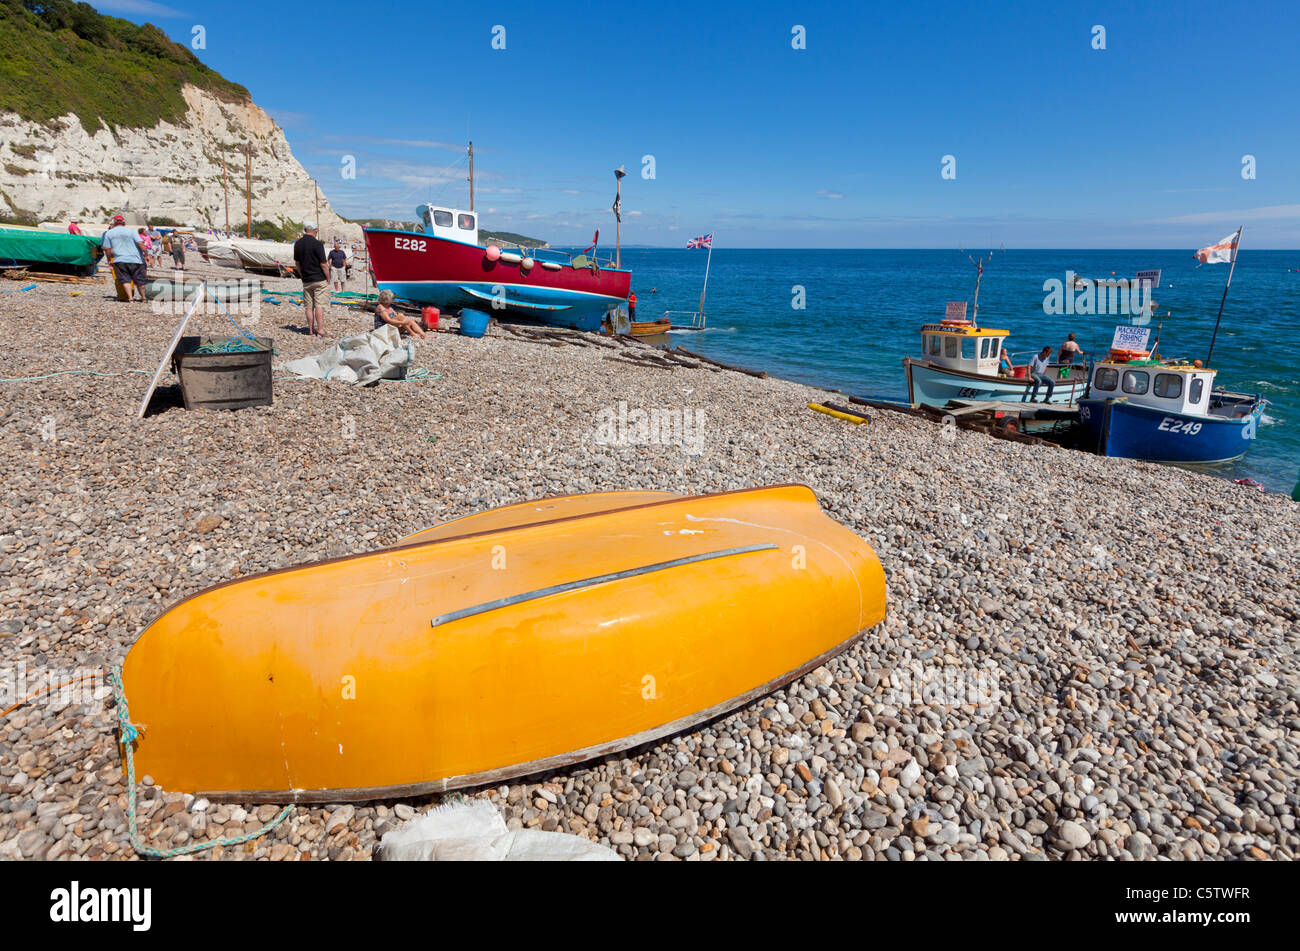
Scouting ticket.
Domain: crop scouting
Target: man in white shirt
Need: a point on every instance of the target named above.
(1038, 372)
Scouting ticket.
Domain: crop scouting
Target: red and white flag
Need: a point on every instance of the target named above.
(1221, 253)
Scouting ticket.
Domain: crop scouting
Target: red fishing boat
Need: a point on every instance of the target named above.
(442, 263)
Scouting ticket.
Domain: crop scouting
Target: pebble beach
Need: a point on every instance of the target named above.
(1083, 658)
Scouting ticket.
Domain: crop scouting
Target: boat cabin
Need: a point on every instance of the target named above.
(957, 345)
(451, 223)
(1173, 388)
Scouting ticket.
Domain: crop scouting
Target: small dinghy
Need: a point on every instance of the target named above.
(518, 640)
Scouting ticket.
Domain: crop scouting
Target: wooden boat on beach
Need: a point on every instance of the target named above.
(650, 328)
(518, 640)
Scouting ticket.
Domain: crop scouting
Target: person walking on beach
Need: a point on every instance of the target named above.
(1069, 350)
(384, 314)
(73, 227)
(1038, 372)
(178, 250)
(338, 267)
(309, 255)
(631, 306)
(126, 254)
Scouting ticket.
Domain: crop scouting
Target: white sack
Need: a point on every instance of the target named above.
(475, 832)
(364, 358)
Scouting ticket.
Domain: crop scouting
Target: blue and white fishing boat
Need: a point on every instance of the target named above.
(961, 362)
(1169, 410)
(1166, 412)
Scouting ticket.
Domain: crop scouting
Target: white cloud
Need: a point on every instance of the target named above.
(1263, 213)
(825, 194)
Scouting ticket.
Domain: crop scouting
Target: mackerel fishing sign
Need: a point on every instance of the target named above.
(1130, 338)
(1149, 278)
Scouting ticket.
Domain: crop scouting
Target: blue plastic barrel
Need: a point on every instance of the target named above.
(473, 323)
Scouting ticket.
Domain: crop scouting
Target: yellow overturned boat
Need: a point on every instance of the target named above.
(519, 640)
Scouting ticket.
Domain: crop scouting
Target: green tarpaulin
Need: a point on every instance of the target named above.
(48, 247)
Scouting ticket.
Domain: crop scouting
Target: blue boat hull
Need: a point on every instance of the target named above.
(558, 308)
(935, 386)
(1118, 428)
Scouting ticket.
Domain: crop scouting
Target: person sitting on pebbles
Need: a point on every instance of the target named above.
(384, 314)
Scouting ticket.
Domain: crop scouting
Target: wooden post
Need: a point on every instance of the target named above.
(225, 187)
(248, 189)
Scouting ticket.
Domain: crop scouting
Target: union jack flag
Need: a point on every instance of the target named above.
(703, 241)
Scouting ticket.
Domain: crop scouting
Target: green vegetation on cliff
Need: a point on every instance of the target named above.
(57, 57)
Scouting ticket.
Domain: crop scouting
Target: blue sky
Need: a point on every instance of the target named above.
(1056, 144)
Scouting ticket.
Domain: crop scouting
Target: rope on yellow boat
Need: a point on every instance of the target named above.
(36, 693)
(129, 734)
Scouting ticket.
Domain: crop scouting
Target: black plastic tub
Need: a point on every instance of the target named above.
(212, 378)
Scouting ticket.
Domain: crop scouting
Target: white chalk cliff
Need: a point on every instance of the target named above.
(56, 170)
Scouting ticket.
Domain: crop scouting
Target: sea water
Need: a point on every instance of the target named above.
(845, 319)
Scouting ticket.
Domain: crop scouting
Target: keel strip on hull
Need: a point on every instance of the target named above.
(592, 582)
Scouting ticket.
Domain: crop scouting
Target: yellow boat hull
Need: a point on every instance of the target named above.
(507, 643)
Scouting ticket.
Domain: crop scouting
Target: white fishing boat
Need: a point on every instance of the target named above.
(961, 361)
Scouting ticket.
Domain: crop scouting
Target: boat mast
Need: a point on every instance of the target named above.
(1231, 267)
(248, 187)
(471, 175)
(979, 273)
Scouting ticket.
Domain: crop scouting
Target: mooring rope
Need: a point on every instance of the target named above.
(242, 331)
(129, 734)
(47, 376)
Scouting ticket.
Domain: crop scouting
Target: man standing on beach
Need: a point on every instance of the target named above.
(309, 255)
(178, 250)
(1038, 371)
(126, 254)
(631, 306)
(338, 267)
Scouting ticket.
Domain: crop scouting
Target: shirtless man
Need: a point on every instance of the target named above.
(1069, 350)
